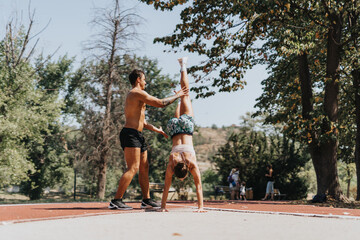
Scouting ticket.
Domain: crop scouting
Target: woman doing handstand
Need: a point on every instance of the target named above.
(182, 157)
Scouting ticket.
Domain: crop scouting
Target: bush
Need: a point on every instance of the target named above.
(252, 151)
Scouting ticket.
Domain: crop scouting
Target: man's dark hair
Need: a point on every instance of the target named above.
(180, 170)
(134, 75)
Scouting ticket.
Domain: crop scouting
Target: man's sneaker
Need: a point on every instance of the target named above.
(119, 204)
(149, 203)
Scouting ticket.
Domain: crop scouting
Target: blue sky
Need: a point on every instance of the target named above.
(69, 27)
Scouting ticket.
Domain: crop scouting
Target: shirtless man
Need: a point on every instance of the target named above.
(133, 142)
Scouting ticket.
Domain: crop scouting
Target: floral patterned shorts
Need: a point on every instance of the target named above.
(184, 124)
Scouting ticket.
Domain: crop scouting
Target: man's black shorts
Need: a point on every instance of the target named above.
(130, 137)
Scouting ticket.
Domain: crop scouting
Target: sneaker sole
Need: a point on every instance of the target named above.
(114, 207)
(149, 206)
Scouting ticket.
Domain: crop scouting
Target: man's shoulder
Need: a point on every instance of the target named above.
(136, 97)
(137, 92)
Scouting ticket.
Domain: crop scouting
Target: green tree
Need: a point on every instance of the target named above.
(31, 149)
(352, 53)
(88, 90)
(49, 155)
(115, 28)
(288, 35)
(251, 151)
(16, 114)
(210, 179)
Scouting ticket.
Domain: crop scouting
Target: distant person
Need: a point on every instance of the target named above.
(270, 182)
(242, 191)
(219, 191)
(133, 142)
(182, 157)
(234, 187)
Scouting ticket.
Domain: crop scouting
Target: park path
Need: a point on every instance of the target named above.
(18, 213)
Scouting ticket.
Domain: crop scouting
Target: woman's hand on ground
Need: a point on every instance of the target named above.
(163, 210)
(200, 210)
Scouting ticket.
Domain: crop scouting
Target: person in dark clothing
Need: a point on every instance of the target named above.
(270, 184)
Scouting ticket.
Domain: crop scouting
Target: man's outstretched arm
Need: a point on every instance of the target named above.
(155, 102)
(155, 129)
(183, 92)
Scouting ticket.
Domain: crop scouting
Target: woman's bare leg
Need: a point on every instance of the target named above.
(177, 111)
(186, 106)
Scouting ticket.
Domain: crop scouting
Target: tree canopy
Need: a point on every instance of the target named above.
(309, 46)
(31, 148)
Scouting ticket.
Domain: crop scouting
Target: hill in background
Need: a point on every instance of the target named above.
(207, 141)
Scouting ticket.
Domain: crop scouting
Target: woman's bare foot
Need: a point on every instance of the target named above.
(183, 60)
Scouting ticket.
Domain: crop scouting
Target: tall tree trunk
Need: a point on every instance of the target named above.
(323, 154)
(105, 146)
(348, 181)
(329, 180)
(101, 185)
(307, 107)
(356, 83)
(306, 88)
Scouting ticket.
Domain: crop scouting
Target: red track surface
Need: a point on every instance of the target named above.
(36, 212)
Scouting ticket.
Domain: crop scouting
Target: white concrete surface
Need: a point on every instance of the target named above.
(185, 224)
